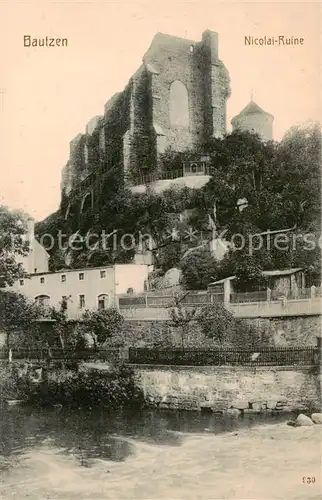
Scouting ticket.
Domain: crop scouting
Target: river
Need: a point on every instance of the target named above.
(64, 454)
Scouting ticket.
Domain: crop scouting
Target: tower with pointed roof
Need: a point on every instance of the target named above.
(254, 119)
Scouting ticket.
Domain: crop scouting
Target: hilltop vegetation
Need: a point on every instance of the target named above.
(280, 181)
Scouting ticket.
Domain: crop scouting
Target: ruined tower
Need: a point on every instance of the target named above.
(254, 119)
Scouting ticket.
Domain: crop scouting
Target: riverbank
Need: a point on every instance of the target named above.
(263, 462)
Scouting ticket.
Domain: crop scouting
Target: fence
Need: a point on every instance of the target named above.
(299, 293)
(193, 298)
(259, 296)
(45, 355)
(308, 356)
(175, 174)
(159, 299)
(161, 176)
(276, 356)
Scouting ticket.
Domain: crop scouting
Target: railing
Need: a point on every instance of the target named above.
(160, 176)
(276, 356)
(248, 297)
(165, 298)
(308, 356)
(111, 354)
(175, 174)
(300, 293)
(132, 301)
(161, 299)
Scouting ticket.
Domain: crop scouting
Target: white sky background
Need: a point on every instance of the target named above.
(51, 93)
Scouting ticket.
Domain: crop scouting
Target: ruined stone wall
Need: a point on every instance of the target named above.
(175, 62)
(142, 141)
(139, 120)
(116, 123)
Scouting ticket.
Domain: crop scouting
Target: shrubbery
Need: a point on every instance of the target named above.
(113, 389)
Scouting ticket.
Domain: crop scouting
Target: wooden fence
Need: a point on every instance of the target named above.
(199, 298)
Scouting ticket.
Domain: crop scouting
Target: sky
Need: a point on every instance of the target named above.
(49, 94)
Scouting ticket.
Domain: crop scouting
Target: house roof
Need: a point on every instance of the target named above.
(275, 272)
(251, 109)
(219, 282)
(283, 272)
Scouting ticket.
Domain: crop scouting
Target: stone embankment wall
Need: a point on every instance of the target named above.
(218, 389)
(290, 331)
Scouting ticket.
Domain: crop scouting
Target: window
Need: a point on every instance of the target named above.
(179, 105)
(81, 276)
(64, 302)
(42, 280)
(82, 301)
(21, 282)
(102, 301)
(103, 274)
(63, 278)
(42, 300)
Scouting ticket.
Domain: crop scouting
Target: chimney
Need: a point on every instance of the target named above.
(30, 230)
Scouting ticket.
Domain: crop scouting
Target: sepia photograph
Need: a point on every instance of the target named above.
(160, 250)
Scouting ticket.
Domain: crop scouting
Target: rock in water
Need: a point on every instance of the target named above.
(317, 418)
(233, 412)
(303, 420)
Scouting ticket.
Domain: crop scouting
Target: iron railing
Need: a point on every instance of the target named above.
(42, 354)
(256, 356)
(281, 356)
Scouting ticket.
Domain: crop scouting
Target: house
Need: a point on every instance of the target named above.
(88, 288)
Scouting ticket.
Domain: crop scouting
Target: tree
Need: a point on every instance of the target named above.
(199, 268)
(13, 227)
(216, 321)
(181, 316)
(219, 324)
(298, 161)
(103, 324)
(60, 326)
(17, 315)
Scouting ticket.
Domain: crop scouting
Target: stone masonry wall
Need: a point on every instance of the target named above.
(292, 331)
(221, 388)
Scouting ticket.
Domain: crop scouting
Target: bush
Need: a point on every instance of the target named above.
(216, 321)
(14, 384)
(219, 324)
(199, 268)
(114, 389)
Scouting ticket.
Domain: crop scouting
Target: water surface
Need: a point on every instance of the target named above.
(90, 435)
